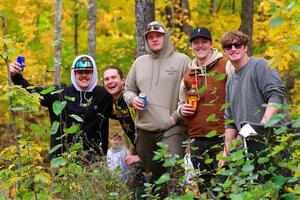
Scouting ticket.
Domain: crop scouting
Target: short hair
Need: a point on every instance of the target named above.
(115, 135)
(229, 36)
(114, 67)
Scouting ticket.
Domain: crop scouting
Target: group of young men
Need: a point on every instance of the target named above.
(166, 76)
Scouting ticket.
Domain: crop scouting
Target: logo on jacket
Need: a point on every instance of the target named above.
(171, 71)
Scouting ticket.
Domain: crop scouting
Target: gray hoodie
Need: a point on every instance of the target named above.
(159, 77)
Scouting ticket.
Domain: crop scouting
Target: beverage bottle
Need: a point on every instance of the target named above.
(192, 95)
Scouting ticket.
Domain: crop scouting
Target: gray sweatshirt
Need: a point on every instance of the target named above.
(248, 89)
(159, 77)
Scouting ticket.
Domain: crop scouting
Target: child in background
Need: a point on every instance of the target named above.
(116, 154)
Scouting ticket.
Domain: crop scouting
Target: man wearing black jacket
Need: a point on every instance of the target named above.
(84, 99)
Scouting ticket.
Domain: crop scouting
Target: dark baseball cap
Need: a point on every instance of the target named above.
(200, 32)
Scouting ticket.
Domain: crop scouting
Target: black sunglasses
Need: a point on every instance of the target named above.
(155, 27)
(236, 45)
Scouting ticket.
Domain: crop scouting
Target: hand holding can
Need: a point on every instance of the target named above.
(143, 98)
(21, 61)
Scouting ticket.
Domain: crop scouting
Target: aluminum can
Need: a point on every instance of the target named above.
(143, 97)
(21, 61)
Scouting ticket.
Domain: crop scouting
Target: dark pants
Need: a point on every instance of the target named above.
(146, 145)
(202, 153)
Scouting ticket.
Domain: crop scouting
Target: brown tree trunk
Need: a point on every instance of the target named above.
(144, 14)
(76, 27)
(57, 41)
(178, 11)
(212, 6)
(92, 29)
(247, 20)
(233, 6)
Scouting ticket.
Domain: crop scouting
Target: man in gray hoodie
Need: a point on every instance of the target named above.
(157, 74)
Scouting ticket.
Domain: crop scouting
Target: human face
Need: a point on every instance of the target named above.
(236, 51)
(115, 142)
(113, 83)
(83, 78)
(202, 48)
(155, 41)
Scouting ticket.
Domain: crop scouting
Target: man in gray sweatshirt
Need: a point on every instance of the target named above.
(157, 74)
(252, 85)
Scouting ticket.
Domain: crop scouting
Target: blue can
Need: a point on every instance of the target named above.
(21, 61)
(143, 97)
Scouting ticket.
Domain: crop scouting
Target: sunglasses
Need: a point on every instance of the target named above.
(154, 27)
(81, 72)
(236, 45)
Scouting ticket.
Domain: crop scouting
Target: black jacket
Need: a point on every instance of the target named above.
(121, 111)
(94, 128)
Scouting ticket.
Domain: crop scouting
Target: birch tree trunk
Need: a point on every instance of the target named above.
(247, 20)
(144, 14)
(76, 27)
(57, 41)
(92, 28)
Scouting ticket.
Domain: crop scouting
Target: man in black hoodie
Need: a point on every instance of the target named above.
(87, 105)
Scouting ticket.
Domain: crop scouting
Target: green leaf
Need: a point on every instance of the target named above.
(202, 89)
(278, 180)
(295, 47)
(220, 77)
(42, 178)
(47, 90)
(57, 91)
(73, 129)
(276, 21)
(237, 155)
(37, 129)
(247, 168)
(211, 73)
(162, 145)
(170, 162)
(290, 6)
(164, 178)
(58, 106)
(212, 118)
(54, 127)
(208, 161)
(263, 160)
(19, 108)
(296, 124)
(69, 98)
(224, 106)
(157, 155)
(77, 118)
(228, 121)
(55, 148)
(296, 143)
(59, 161)
(211, 134)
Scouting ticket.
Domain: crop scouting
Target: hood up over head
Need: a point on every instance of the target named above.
(84, 62)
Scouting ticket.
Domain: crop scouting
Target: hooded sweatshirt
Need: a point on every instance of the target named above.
(159, 77)
(211, 100)
(95, 115)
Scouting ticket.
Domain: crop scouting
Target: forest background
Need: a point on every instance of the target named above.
(30, 28)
